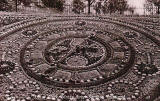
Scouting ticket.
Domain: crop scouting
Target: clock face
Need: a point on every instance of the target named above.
(75, 52)
(81, 58)
(76, 56)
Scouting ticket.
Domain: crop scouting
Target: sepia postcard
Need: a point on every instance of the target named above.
(79, 50)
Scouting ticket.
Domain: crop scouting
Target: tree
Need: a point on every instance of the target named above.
(4, 5)
(24, 2)
(78, 6)
(157, 4)
(111, 6)
(89, 3)
(122, 6)
(49, 3)
(116, 5)
(98, 7)
(58, 4)
(149, 6)
(105, 7)
(131, 9)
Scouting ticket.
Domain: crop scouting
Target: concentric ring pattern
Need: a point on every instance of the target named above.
(79, 58)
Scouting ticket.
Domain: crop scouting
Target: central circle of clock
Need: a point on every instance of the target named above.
(76, 53)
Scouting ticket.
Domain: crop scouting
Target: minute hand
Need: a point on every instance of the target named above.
(71, 51)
